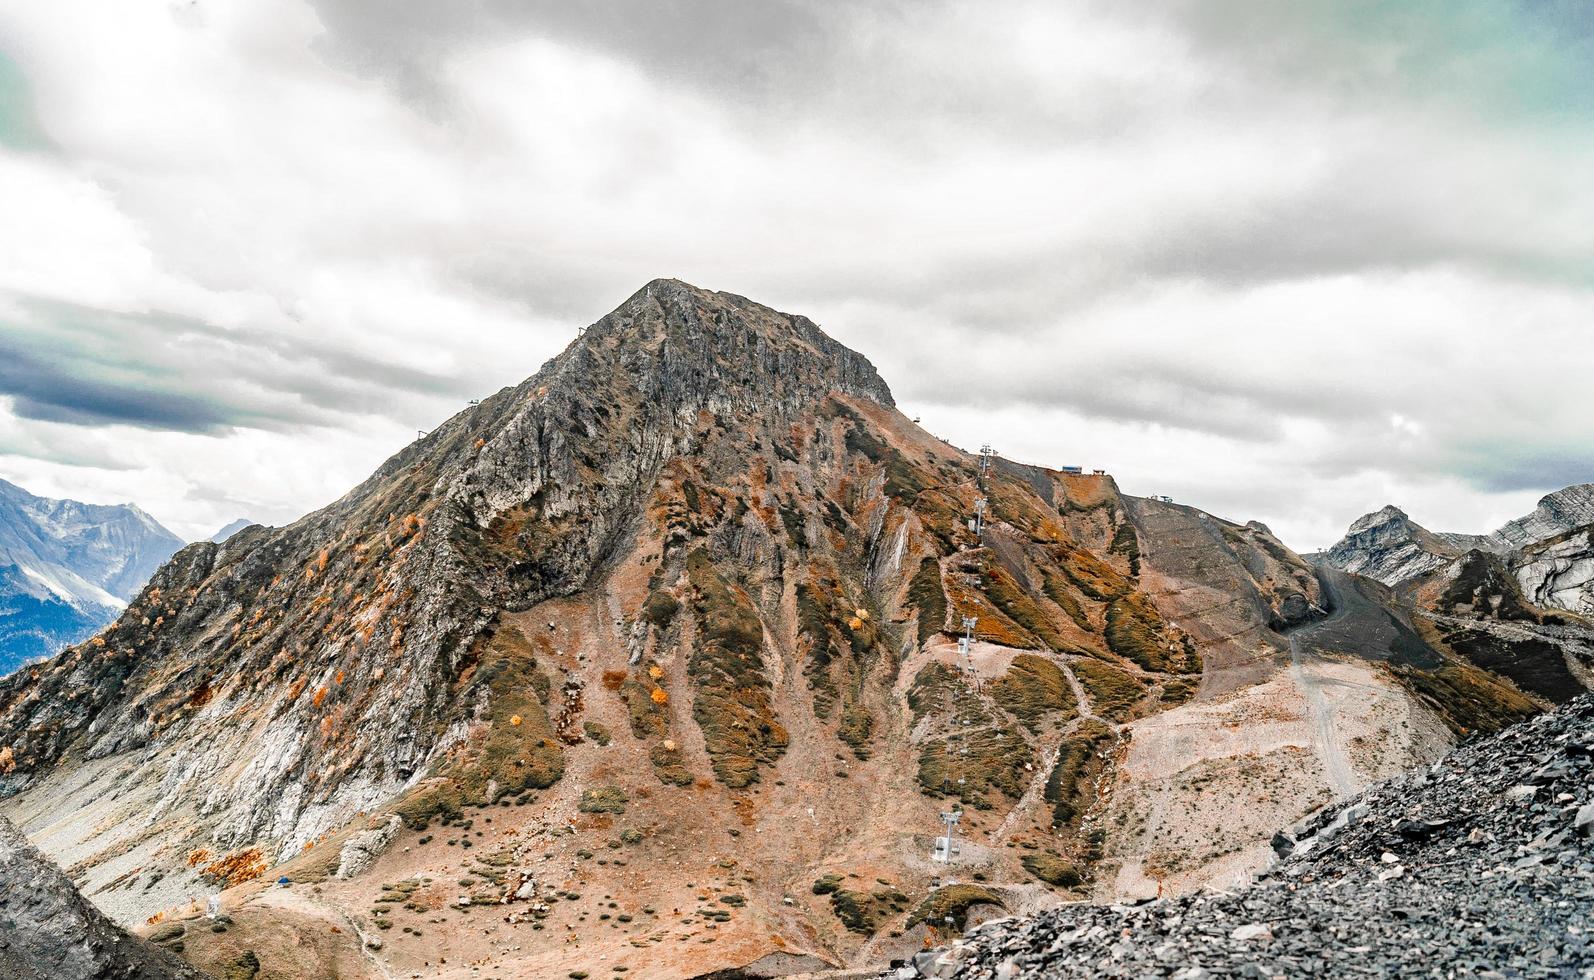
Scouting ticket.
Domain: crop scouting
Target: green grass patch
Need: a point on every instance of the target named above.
(864, 912)
(953, 902)
(660, 609)
(1011, 598)
(731, 704)
(1034, 688)
(1136, 632)
(1113, 693)
(1053, 869)
(927, 596)
(1079, 757)
(603, 799)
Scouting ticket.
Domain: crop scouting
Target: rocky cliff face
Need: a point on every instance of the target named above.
(1390, 547)
(50, 932)
(676, 622)
(1558, 572)
(1556, 514)
(68, 568)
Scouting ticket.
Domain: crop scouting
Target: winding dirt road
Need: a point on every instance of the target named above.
(1330, 746)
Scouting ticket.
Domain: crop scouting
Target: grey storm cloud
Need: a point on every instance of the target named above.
(1342, 245)
(723, 46)
(62, 362)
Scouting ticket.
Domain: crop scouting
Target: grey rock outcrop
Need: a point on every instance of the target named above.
(363, 848)
(50, 932)
(1559, 573)
(1555, 514)
(1389, 546)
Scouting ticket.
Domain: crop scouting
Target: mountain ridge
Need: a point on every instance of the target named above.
(695, 619)
(1387, 545)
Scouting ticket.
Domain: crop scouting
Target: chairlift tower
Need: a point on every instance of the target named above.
(986, 453)
(946, 847)
(979, 518)
(966, 641)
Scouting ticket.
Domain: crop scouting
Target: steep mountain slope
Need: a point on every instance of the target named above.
(675, 623)
(68, 568)
(1558, 572)
(1555, 514)
(1475, 608)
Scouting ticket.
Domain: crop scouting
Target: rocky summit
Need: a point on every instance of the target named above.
(1481, 864)
(1389, 546)
(681, 656)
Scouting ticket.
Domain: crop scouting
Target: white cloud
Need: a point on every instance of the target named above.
(1291, 274)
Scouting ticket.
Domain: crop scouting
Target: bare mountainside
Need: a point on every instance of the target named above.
(652, 662)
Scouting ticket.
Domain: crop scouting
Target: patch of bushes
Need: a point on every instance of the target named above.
(953, 902)
(1007, 595)
(1469, 700)
(596, 732)
(980, 757)
(1113, 692)
(603, 799)
(1125, 542)
(864, 912)
(660, 609)
(1179, 690)
(932, 689)
(926, 595)
(647, 713)
(827, 884)
(732, 704)
(1032, 688)
(1078, 758)
(994, 625)
(1136, 632)
(837, 638)
(1060, 592)
(903, 480)
(1053, 869)
(246, 966)
(668, 764)
(1090, 575)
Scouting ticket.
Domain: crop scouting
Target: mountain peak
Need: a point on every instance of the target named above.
(674, 330)
(1387, 514)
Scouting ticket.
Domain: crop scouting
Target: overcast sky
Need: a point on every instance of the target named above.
(1284, 261)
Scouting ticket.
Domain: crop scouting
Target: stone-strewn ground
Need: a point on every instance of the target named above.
(1480, 865)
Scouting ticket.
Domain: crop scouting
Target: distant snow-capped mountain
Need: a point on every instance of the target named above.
(231, 529)
(67, 568)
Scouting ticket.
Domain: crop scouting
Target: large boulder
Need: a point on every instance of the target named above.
(48, 931)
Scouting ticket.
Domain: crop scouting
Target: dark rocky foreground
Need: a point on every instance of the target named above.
(1480, 865)
(50, 932)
